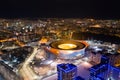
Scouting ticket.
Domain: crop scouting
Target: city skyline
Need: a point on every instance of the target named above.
(54, 39)
(32, 49)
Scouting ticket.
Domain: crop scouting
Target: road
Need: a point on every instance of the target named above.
(13, 39)
(26, 71)
(82, 70)
(28, 74)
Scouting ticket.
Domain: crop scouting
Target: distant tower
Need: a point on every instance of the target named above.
(67, 71)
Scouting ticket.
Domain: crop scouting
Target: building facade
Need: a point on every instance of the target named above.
(67, 71)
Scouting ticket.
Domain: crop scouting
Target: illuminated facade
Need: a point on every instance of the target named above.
(68, 49)
(67, 71)
(115, 73)
(98, 72)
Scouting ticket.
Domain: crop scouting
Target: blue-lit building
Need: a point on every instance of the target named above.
(67, 71)
(104, 60)
(114, 73)
(98, 72)
(105, 70)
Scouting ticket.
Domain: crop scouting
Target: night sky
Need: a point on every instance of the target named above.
(104, 9)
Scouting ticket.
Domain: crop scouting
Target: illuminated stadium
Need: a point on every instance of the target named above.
(68, 49)
(60, 51)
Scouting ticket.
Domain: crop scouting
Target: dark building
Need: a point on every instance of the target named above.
(79, 78)
(67, 71)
